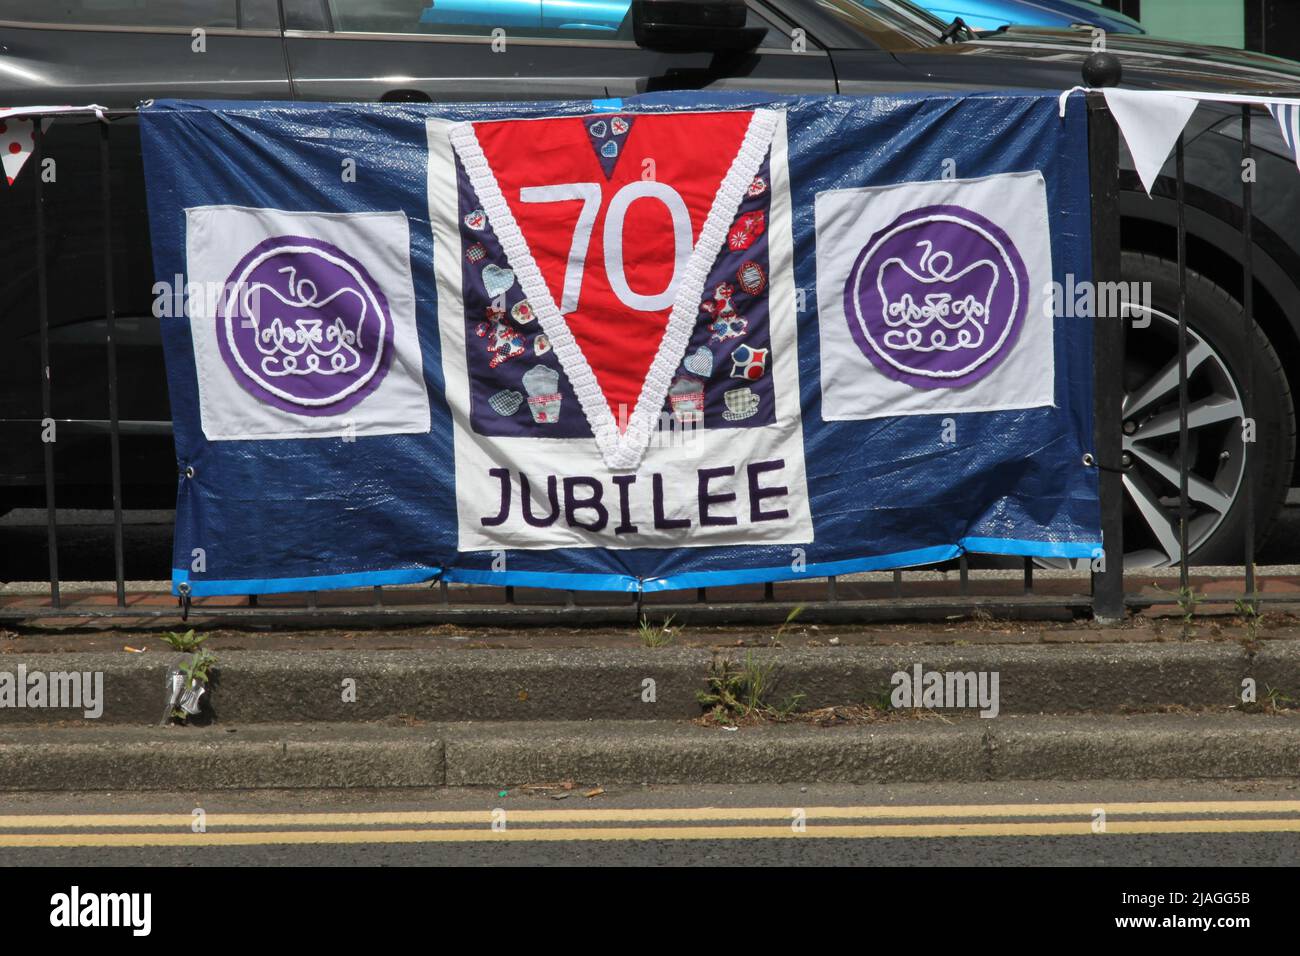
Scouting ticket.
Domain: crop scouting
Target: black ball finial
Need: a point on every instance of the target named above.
(1102, 69)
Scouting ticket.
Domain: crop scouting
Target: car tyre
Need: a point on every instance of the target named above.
(1216, 377)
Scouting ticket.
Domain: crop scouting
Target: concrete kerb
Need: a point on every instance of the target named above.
(510, 754)
(658, 684)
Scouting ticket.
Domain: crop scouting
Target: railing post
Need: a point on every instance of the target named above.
(1248, 463)
(43, 300)
(1108, 360)
(110, 315)
(1184, 516)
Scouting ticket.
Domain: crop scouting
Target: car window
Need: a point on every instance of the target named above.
(895, 25)
(126, 13)
(571, 19)
(521, 17)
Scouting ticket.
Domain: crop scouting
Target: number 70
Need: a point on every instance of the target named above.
(615, 221)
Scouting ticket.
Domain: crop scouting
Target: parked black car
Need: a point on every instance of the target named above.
(117, 52)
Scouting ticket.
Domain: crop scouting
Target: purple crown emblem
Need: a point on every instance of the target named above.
(304, 327)
(937, 298)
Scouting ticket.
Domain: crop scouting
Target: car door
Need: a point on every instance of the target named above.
(118, 52)
(445, 50)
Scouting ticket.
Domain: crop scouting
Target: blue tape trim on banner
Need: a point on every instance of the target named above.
(1032, 549)
(629, 584)
(362, 579)
(612, 105)
(543, 579)
(883, 562)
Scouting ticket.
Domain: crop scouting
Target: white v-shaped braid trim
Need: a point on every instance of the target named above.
(621, 451)
(465, 142)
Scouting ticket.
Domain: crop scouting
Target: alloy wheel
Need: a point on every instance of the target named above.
(1149, 459)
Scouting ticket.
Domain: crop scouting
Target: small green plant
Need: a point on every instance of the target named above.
(656, 636)
(198, 668)
(1274, 699)
(784, 711)
(789, 619)
(186, 643)
(880, 700)
(1248, 611)
(1187, 599)
(745, 691)
(723, 696)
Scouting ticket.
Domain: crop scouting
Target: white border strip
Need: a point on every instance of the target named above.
(620, 450)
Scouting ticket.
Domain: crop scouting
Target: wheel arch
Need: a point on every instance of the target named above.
(1149, 225)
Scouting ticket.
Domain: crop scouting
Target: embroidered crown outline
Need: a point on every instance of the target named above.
(936, 309)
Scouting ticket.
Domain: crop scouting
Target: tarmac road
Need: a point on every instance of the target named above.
(1166, 823)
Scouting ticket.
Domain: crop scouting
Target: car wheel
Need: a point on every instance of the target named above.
(1216, 357)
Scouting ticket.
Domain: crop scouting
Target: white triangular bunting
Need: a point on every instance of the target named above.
(1151, 123)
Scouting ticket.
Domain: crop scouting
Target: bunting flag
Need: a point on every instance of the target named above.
(18, 133)
(1152, 120)
(1151, 126)
(671, 342)
(17, 137)
(1288, 120)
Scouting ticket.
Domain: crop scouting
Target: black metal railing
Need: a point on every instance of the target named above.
(901, 594)
(1108, 359)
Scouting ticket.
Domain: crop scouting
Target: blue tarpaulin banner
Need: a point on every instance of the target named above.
(676, 341)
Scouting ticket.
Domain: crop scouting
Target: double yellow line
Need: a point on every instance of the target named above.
(669, 823)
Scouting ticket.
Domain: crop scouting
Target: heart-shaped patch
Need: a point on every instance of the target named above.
(476, 219)
(598, 129)
(506, 402)
(618, 125)
(497, 280)
(522, 312)
(541, 345)
(700, 362)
